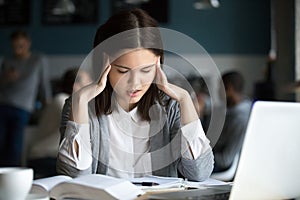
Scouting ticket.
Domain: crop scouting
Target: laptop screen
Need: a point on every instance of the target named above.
(269, 166)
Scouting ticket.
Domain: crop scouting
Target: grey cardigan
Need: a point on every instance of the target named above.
(165, 144)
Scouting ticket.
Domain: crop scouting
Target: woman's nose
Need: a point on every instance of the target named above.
(134, 79)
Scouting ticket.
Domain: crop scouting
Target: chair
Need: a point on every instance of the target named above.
(229, 174)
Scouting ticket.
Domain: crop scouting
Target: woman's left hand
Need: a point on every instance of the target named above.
(187, 109)
(171, 90)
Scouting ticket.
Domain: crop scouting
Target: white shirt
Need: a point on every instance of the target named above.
(129, 144)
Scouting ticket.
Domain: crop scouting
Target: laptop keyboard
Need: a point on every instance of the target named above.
(220, 196)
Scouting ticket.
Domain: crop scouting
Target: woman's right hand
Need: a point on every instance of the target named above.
(84, 95)
(87, 93)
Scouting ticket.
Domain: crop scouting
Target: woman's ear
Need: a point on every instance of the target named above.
(158, 61)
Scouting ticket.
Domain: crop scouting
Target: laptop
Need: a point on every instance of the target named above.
(269, 165)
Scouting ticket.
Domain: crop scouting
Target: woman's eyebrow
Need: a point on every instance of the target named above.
(120, 66)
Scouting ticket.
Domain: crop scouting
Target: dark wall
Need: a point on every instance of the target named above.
(236, 27)
(285, 40)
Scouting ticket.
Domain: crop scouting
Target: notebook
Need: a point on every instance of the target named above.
(269, 166)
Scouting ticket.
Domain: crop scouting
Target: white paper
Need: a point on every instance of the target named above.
(163, 182)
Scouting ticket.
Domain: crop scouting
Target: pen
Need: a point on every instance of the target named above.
(145, 183)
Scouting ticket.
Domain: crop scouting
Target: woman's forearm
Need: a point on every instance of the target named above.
(79, 114)
(79, 110)
(187, 109)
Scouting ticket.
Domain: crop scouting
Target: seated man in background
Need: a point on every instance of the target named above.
(237, 115)
(44, 148)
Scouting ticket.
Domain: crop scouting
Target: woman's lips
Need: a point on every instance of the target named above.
(133, 93)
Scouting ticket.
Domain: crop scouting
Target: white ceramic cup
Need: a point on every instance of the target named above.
(15, 182)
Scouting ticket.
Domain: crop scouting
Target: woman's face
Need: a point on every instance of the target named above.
(131, 76)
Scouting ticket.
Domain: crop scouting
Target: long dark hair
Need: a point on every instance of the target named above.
(143, 33)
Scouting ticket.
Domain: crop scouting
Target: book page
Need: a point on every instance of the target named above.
(96, 186)
(44, 185)
(207, 183)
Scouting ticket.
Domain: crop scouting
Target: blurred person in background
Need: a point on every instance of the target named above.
(236, 120)
(23, 76)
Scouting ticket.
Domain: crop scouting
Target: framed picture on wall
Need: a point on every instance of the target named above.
(158, 9)
(14, 12)
(56, 12)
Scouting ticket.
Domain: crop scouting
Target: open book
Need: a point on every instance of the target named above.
(92, 187)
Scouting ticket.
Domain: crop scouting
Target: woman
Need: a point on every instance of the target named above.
(132, 121)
